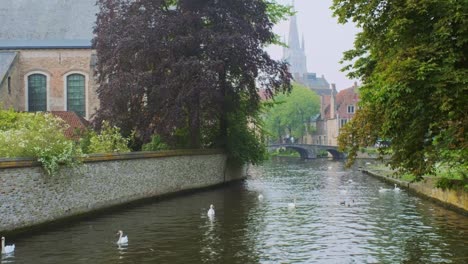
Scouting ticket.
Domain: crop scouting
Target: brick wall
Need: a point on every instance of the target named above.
(11, 98)
(56, 64)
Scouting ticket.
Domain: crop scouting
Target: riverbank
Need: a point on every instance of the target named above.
(456, 200)
(29, 197)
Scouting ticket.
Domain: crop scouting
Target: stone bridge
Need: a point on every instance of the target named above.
(309, 151)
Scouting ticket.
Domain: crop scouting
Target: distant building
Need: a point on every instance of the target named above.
(46, 59)
(295, 55)
(336, 110)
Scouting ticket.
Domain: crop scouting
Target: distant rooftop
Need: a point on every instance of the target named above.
(6, 59)
(47, 19)
(45, 44)
(318, 84)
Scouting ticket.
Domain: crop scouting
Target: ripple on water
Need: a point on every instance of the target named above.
(375, 228)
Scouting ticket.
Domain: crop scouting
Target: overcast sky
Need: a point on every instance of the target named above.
(325, 39)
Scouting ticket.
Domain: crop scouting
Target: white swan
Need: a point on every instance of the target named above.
(7, 249)
(211, 211)
(122, 239)
(381, 190)
(396, 189)
(292, 205)
(260, 197)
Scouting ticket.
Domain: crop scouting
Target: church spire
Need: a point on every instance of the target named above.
(293, 40)
(303, 42)
(295, 54)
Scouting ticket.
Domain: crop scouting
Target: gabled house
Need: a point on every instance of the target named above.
(336, 110)
(46, 59)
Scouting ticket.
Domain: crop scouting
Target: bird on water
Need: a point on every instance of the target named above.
(211, 211)
(122, 239)
(7, 249)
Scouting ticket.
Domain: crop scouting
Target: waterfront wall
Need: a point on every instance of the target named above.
(29, 197)
(454, 199)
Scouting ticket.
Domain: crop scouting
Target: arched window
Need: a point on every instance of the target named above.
(76, 101)
(37, 92)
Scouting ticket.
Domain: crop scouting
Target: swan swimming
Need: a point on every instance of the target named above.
(381, 190)
(292, 205)
(211, 211)
(7, 249)
(396, 189)
(260, 197)
(122, 239)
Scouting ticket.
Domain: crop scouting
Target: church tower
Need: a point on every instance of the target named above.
(294, 54)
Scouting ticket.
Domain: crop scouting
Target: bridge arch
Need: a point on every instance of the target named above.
(303, 152)
(310, 151)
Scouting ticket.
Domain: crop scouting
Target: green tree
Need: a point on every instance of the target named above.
(181, 68)
(412, 56)
(292, 113)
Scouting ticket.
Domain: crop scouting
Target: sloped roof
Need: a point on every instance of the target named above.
(45, 44)
(47, 19)
(6, 61)
(319, 84)
(344, 98)
(76, 123)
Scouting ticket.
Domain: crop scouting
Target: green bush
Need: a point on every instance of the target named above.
(245, 140)
(155, 144)
(108, 140)
(36, 135)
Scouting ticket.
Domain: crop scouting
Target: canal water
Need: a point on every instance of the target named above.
(340, 217)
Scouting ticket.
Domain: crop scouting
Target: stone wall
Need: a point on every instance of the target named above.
(29, 197)
(454, 199)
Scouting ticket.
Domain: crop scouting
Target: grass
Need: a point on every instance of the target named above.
(447, 177)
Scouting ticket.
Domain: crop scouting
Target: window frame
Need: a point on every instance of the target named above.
(343, 122)
(26, 86)
(65, 90)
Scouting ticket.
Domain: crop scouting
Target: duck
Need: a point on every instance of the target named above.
(211, 211)
(122, 239)
(292, 205)
(7, 249)
(396, 188)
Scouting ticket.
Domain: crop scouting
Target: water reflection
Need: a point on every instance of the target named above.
(340, 217)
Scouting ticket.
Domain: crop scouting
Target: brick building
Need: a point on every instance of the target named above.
(46, 59)
(336, 110)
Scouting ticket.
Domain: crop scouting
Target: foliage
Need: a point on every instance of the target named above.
(413, 59)
(155, 144)
(292, 113)
(8, 119)
(246, 141)
(277, 12)
(182, 69)
(108, 140)
(85, 140)
(36, 135)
